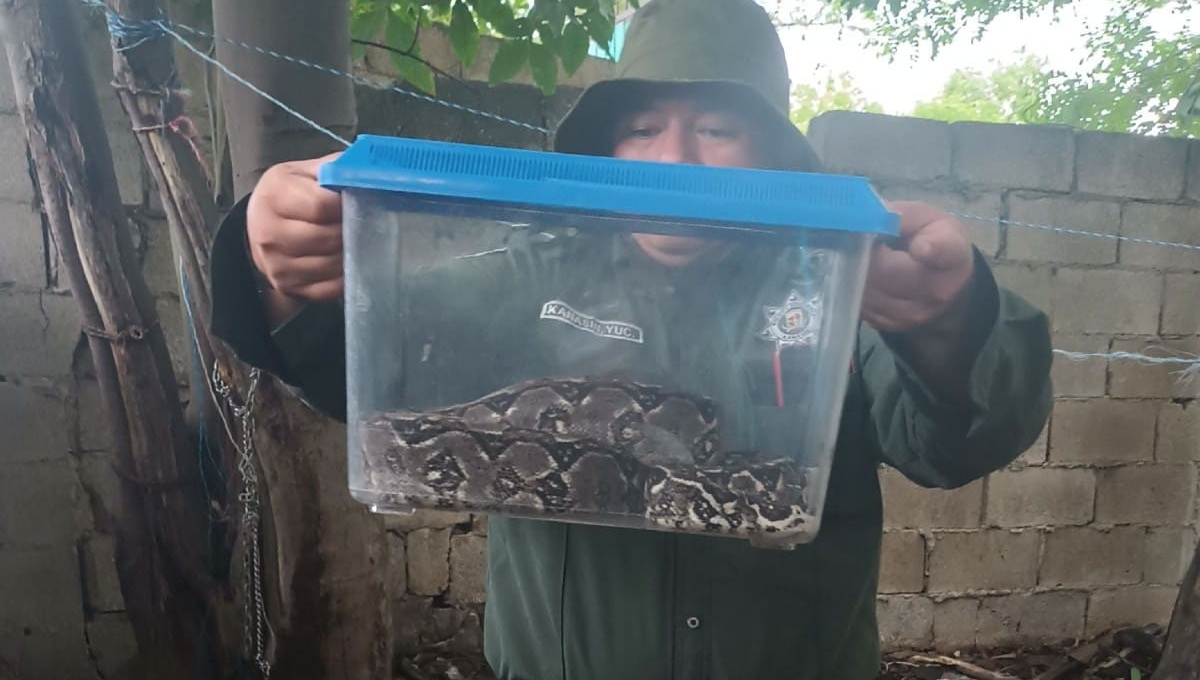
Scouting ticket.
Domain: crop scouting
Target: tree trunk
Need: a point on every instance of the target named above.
(160, 520)
(329, 601)
(260, 133)
(1181, 653)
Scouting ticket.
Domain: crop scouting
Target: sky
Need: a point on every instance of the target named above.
(813, 52)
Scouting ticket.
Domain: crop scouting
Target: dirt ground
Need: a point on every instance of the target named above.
(1126, 654)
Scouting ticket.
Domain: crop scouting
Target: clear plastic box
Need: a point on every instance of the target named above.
(511, 349)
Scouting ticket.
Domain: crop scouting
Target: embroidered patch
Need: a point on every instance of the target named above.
(795, 322)
(617, 330)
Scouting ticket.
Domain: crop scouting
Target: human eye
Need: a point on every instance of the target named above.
(722, 126)
(643, 126)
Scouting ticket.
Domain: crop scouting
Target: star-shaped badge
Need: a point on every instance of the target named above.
(795, 322)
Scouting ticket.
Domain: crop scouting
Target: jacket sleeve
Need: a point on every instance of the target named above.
(939, 444)
(307, 353)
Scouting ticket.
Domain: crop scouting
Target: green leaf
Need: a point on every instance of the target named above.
(365, 22)
(464, 34)
(544, 67)
(401, 29)
(600, 28)
(510, 57)
(415, 72)
(574, 47)
(548, 35)
(497, 13)
(438, 9)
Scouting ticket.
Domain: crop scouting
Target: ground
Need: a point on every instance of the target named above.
(1126, 654)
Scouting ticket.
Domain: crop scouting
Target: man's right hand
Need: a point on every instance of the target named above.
(294, 229)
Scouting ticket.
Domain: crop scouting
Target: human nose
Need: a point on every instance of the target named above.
(677, 145)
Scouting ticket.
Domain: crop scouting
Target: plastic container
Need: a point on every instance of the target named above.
(513, 349)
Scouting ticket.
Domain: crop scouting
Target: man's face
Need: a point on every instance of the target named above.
(681, 130)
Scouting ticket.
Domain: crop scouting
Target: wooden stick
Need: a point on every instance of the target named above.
(160, 527)
(967, 668)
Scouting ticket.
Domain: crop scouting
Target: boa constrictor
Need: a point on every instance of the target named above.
(601, 450)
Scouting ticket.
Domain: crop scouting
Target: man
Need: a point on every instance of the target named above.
(950, 381)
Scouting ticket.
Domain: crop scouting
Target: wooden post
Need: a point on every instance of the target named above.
(160, 529)
(1181, 652)
(324, 555)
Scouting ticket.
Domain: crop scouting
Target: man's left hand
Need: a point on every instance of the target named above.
(919, 283)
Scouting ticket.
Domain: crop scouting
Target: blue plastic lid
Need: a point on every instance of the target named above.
(556, 181)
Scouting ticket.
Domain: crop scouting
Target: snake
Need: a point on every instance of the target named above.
(602, 450)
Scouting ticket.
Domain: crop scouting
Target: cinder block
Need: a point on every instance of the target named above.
(1181, 314)
(1130, 166)
(902, 564)
(1102, 431)
(60, 653)
(1014, 156)
(171, 317)
(905, 622)
(40, 588)
(1129, 606)
(954, 623)
(425, 519)
(126, 154)
(1168, 553)
(1040, 497)
(1156, 495)
(909, 506)
(468, 568)
(14, 185)
(397, 565)
(93, 428)
(1106, 301)
(1031, 283)
(428, 561)
(1178, 433)
(1128, 378)
(1080, 377)
(1193, 171)
(1158, 222)
(38, 335)
(102, 488)
(979, 212)
(1036, 454)
(410, 616)
(989, 559)
(1039, 245)
(37, 503)
(1031, 618)
(881, 146)
(159, 266)
(23, 257)
(100, 578)
(479, 525)
(8, 96)
(35, 420)
(112, 642)
(1087, 557)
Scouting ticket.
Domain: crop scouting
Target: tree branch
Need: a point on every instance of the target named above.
(410, 55)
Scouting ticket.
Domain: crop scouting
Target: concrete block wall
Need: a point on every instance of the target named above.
(1093, 526)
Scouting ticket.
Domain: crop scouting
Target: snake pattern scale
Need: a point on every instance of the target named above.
(601, 450)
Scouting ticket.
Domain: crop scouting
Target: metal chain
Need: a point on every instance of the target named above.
(255, 617)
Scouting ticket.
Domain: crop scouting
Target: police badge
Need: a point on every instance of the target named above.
(795, 322)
